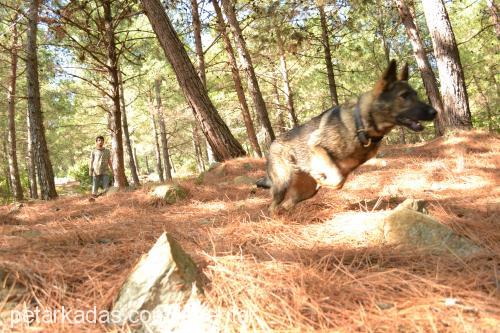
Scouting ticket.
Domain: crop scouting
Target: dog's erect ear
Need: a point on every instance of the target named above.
(404, 73)
(386, 79)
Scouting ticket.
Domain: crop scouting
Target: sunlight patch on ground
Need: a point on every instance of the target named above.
(464, 183)
(351, 227)
(216, 206)
(408, 181)
(212, 206)
(377, 162)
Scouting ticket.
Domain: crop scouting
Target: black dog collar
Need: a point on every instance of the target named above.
(363, 137)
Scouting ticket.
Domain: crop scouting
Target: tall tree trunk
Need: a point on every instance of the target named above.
(197, 42)
(159, 168)
(277, 106)
(238, 86)
(163, 132)
(128, 144)
(136, 160)
(246, 62)
(494, 15)
(37, 131)
(428, 77)
(112, 68)
(30, 161)
(146, 161)
(381, 22)
(11, 119)
(328, 56)
(451, 75)
(5, 160)
(286, 80)
(220, 138)
(198, 148)
(201, 62)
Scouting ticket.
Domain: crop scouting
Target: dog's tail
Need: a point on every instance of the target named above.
(264, 182)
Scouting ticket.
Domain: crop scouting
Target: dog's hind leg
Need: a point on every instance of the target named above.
(302, 187)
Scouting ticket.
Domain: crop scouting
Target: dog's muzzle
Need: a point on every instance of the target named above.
(412, 118)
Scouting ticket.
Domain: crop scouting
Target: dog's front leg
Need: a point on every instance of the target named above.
(324, 170)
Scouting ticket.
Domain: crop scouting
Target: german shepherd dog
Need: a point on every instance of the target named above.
(323, 151)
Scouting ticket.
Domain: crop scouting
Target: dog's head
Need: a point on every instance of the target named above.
(396, 103)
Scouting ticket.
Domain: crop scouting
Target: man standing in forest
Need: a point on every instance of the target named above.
(100, 166)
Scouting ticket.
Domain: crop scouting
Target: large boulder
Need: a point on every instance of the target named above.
(168, 193)
(407, 226)
(162, 294)
(244, 180)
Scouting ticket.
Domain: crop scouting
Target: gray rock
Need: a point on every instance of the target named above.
(247, 166)
(165, 285)
(218, 170)
(169, 193)
(404, 226)
(16, 208)
(410, 227)
(244, 180)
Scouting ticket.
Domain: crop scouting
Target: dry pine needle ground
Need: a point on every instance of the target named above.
(287, 274)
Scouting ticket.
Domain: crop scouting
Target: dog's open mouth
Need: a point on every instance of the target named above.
(414, 125)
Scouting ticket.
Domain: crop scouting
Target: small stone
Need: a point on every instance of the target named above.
(414, 204)
(29, 233)
(169, 193)
(450, 302)
(205, 221)
(244, 180)
(385, 306)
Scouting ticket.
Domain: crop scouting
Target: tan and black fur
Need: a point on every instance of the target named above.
(323, 151)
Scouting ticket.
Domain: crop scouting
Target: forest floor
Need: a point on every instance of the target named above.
(289, 273)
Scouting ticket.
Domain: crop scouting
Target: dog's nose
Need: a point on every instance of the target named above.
(432, 112)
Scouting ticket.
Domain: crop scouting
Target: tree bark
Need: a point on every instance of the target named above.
(286, 80)
(146, 161)
(136, 160)
(428, 77)
(451, 75)
(163, 132)
(220, 138)
(201, 63)
(328, 56)
(5, 160)
(128, 144)
(246, 62)
(238, 86)
(11, 119)
(112, 68)
(197, 42)
(198, 148)
(30, 161)
(494, 15)
(282, 128)
(159, 168)
(37, 130)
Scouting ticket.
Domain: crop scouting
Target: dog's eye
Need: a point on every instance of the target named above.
(406, 95)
